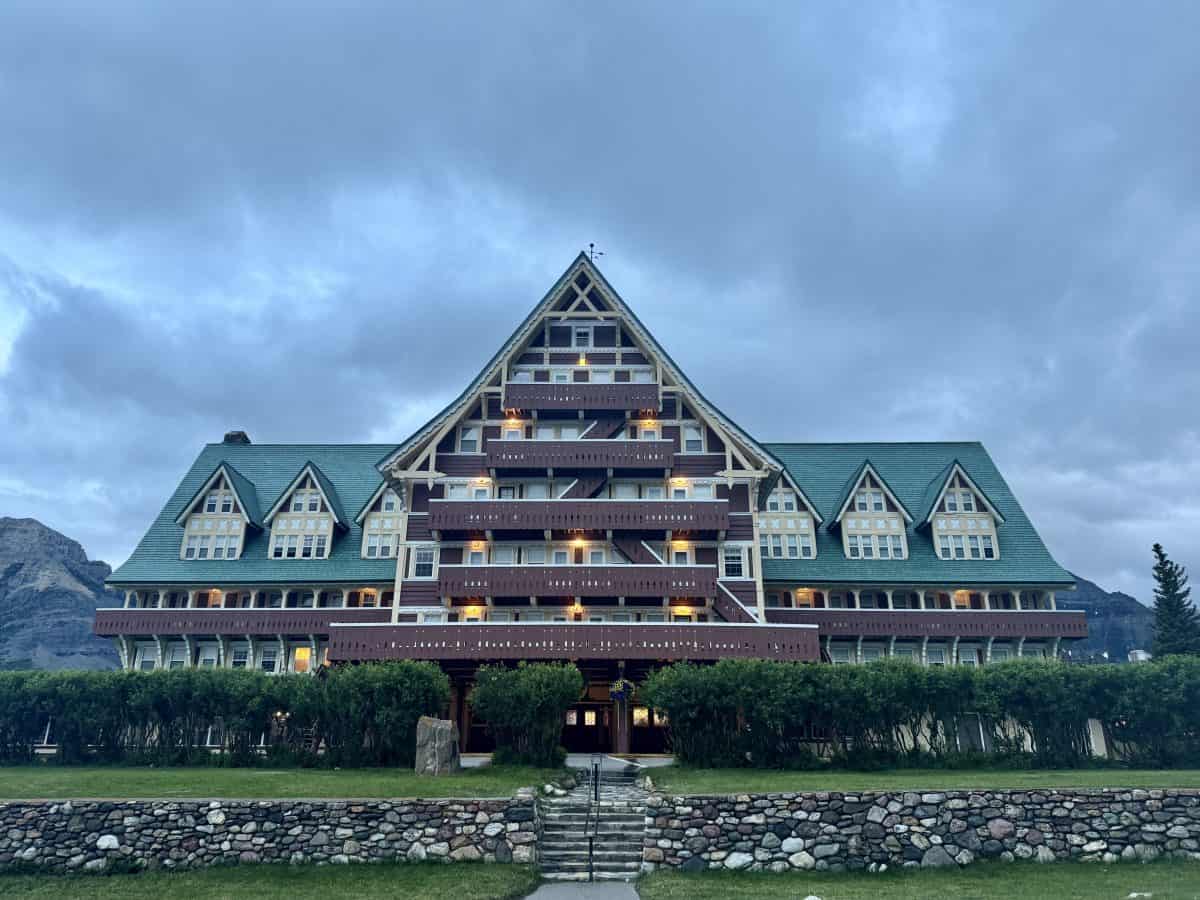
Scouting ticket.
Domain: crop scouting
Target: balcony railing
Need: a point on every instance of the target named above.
(577, 581)
(579, 641)
(580, 395)
(581, 454)
(936, 623)
(111, 622)
(568, 515)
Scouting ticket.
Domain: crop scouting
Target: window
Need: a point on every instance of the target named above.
(702, 492)
(793, 545)
(989, 549)
(504, 556)
(468, 439)
(648, 433)
(624, 491)
(944, 546)
(178, 658)
(513, 433)
(534, 556)
(951, 502)
(781, 501)
(292, 541)
(868, 547)
(390, 501)
(204, 545)
(968, 501)
(679, 493)
(190, 548)
(306, 551)
(885, 549)
(653, 492)
(208, 657)
(423, 562)
(693, 439)
(277, 547)
(806, 546)
(935, 656)
(596, 557)
(680, 557)
(476, 557)
(973, 545)
(582, 336)
(733, 562)
(507, 492)
(481, 492)
(268, 660)
(960, 551)
(562, 558)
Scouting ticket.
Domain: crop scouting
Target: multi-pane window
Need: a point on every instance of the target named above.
(214, 529)
(693, 439)
(789, 537)
(874, 546)
(468, 439)
(381, 530)
(240, 657)
(423, 562)
(873, 527)
(303, 528)
(965, 537)
(269, 659)
(734, 562)
(781, 500)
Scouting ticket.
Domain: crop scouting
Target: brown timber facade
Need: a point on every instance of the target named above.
(581, 500)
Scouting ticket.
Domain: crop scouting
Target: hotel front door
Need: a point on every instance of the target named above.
(588, 728)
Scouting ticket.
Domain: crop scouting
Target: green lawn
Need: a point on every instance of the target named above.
(680, 780)
(413, 882)
(1062, 881)
(59, 782)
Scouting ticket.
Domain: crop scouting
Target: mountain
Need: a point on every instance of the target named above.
(1117, 623)
(49, 592)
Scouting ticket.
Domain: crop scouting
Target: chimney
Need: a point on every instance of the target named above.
(236, 437)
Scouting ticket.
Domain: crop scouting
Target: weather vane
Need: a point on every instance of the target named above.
(593, 252)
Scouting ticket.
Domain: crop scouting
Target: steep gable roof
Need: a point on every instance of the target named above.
(350, 472)
(524, 331)
(937, 487)
(909, 468)
(243, 490)
(855, 480)
(324, 485)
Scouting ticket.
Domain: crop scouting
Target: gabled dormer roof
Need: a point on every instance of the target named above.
(371, 501)
(243, 491)
(324, 486)
(851, 486)
(547, 306)
(937, 489)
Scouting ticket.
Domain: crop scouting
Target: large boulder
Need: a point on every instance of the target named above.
(437, 746)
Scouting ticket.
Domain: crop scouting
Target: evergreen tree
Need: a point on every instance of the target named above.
(1176, 624)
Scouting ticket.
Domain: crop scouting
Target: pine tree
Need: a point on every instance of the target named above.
(1176, 623)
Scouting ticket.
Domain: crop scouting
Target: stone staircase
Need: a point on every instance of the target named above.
(615, 823)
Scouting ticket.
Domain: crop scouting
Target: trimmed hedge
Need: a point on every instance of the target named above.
(894, 712)
(359, 715)
(524, 708)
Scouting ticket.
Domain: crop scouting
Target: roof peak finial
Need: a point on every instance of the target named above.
(592, 252)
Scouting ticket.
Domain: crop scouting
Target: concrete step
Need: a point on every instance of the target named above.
(629, 865)
(583, 876)
(565, 857)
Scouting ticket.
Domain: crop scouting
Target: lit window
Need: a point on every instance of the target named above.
(301, 659)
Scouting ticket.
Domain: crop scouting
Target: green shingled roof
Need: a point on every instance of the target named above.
(349, 470)
(910, 470)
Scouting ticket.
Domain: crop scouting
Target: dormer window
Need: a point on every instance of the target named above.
(781, 500)
(215, 526)
(786, 537)
(303, 525)
(964, 523)
(873, 522)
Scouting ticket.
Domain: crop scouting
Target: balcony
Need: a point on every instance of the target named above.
(936, 623)
(579, 515)
(580, 395)
(582, 454)
(579, 641)
(577, 581)
(112, 622)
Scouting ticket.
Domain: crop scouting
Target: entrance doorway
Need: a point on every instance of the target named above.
(588, 728)
(649, 733)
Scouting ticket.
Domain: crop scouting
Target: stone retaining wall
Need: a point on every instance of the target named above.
(835, 831)
(92, 835)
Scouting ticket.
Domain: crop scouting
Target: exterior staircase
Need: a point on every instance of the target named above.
(615, 825)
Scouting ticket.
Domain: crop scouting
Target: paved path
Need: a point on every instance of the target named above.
(605, 890)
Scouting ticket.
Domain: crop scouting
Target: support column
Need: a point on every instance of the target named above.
(889, 599)
(345, 597)
(921, 599)
(987, 599)
(987, 653)
(224, 657)
(954, 651)
(1020, 647)
(315, 643)
(162, 599)
(191, 599)
(189, 646)
(892, 645)
(160, 651)
(854, 593)
(622, 718)
(829, 646)
(858, 650)
(130, 599)
(925, 650)
(1053, 603)
(1054, 647)
(123, 651)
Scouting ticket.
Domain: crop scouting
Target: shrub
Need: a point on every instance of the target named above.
(524, 708)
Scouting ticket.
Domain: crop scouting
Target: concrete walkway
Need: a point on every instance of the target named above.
(596, 890)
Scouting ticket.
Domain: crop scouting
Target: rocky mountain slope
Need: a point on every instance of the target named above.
(1117, 623)
(49, 592)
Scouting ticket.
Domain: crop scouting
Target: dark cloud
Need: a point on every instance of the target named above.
(907, 221)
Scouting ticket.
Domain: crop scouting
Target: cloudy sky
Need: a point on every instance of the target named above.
(910, 222)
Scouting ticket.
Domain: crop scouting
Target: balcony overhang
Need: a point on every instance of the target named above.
(936, 623)
(579, 515)
(146, 622)
(581, 395)
(577, 581)
(580, 454)
(580, 641)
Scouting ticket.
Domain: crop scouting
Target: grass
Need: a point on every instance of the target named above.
(411, 881)
(49, 782)
(682, 780)
(1062, 881)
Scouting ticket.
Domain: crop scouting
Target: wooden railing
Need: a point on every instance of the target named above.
(571, 515)
(580, 454)
(577, 581)
(111, 622)
(937, 623)
(578, 641)
(580, 395)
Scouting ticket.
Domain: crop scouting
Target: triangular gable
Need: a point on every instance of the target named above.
(851, 487)
(937, 490)
(375, 495)
(324, 486)
(768, 485)
(243, 489)
(582, 266)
